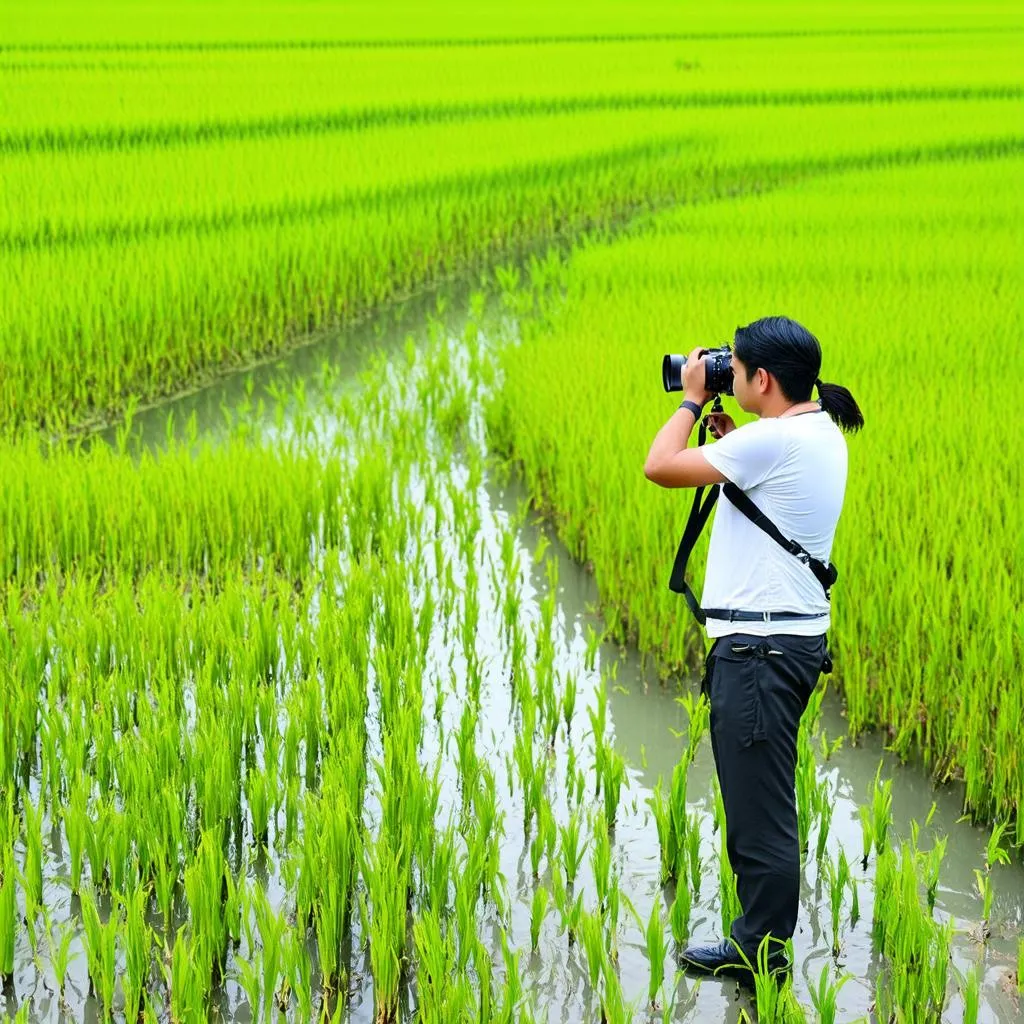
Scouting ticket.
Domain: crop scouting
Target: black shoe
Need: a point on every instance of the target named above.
(723, 958)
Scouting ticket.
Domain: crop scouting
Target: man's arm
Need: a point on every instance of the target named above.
(671, 464)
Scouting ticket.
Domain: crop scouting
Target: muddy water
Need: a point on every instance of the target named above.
(641, 714)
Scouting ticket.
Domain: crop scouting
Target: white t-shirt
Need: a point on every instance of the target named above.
(794, 469)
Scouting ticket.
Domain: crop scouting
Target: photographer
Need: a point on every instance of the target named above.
(766, 611)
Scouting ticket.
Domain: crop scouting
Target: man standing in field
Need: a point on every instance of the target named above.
(764, 607)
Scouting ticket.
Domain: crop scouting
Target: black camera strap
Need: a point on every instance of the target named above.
(700, 510)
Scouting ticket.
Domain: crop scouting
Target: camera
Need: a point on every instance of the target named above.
(717, 371)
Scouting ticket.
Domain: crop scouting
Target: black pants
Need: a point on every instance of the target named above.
(759, 688)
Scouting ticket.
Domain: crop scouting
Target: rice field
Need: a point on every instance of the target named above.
(912, 278)
(361, 696)
(375, 760)
(184, 198)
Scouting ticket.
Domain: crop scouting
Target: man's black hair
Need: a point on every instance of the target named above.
(789, 352)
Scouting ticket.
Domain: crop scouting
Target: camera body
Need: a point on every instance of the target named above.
(717, 371)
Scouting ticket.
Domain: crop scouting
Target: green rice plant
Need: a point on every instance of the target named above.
(1020, 965)
(601, 858)
(250, 977)
(679, 915)
(666, 834)
(808, 800)
(8, 911)
(60, 951)
(386, 889)
(165, 883)
(730, 900)
(435, 964)
(598, 724)
(984, 883)
(881, 810)
(825, 994)
(97, 837)
(572, 849)
(512, 992)
(931, 864)
(32, 872)
(590, 930)
(995, 852)
(76, 815)
(569, 700)
(465, 740)
(614, 1008)
(467, 895)
(136, 945)
(545, 836)
(273, 928)
(826, 805)
(970, 988)
(613, 776)
(257, 796)
(698, 717)
(917, 946)
(188, 980)
(484, 972)
(693, 858)
(867, 830)
(206, 880)
(657, 951)
(538, 910)
(99, 941)
(837, 875)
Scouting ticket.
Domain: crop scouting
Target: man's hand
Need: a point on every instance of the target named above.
(694, 378)
(720, 424)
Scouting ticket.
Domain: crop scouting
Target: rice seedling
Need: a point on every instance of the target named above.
(825, 994)
(60, 952)
(657, 950)
(730, 900)
(613, 776)
(984, 882)
(573, 847)
(136, 945)
(918, 947)
(881, 810)
(99, 940)
(188, 980)
(212, 898)
(387, 901)
(273, 948)
(614, 1008)
(774, 1001)
(8, 912)
(1020, 965)
(679, 915)
(837, 876)
(32, 873)
(970, 988)
(590, 929)
(931, 864)
(538, 910)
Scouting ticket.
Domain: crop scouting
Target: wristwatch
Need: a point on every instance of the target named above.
(694, 408)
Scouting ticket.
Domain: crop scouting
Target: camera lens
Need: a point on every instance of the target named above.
(672, 372)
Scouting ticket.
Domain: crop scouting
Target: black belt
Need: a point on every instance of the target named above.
(740, 615)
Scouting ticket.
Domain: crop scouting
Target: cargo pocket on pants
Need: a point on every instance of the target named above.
(736, 694)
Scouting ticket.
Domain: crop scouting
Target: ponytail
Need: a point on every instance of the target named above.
(841, 406)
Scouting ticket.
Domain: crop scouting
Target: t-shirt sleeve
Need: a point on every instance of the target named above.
(748, 454)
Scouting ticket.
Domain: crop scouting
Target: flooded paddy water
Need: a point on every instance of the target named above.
(607, 699)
